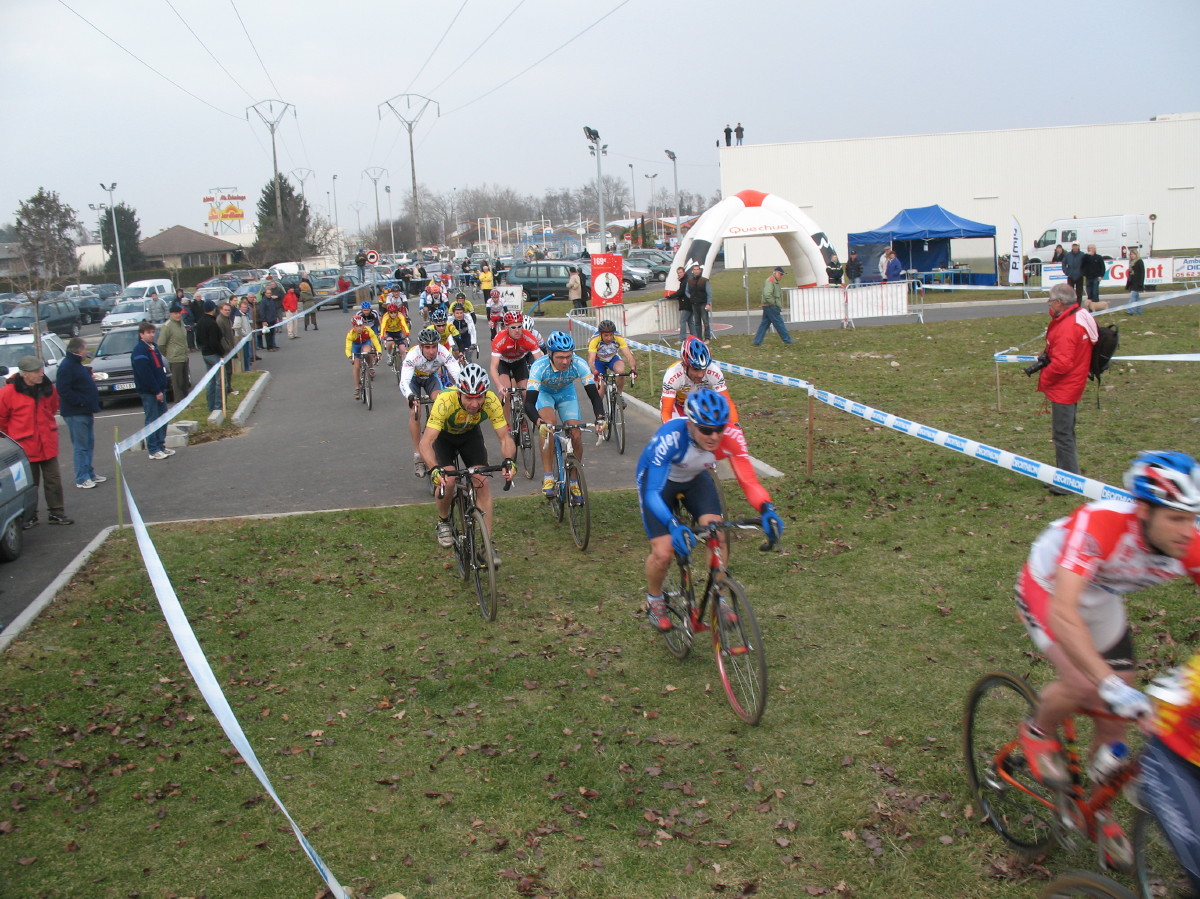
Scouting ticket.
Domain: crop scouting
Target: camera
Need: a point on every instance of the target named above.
(1042, 361)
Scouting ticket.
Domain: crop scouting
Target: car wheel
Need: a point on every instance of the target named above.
(75, 329)
(628, 286)
(661, 276)
(10, 540)
(84, 318)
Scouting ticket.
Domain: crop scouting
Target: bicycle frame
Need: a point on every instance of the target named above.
(471, 537)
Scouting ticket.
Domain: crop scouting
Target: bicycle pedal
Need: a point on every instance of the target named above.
(738, 650)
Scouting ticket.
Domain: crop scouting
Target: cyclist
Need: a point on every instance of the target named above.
(464, 340)
(1071, 592)
(418, 375)
(446, 332)
(609, 351)
(694, 369)
(675, 462)
(361, 341)
(461, 297)
(513, 350)
(396, 295)
(369, 316)
(550, 397)
(431, 298)
(495, 311)
(452, 438)
(530, 328)
(394, 328)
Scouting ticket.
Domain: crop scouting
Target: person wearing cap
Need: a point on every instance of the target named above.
(854, 268)
(772, 296)
(699, 294)
(28, 404)
(79, 401)
(208, 338)
(150, 382)
(173, 343)
(1072, 266)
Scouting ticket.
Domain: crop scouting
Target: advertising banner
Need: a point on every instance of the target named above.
(607, 287)
(1016, 271)
(225, 207)
(1185, 268)
(1158, 271)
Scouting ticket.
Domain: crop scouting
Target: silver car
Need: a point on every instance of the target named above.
(14, 346)
(134, 312)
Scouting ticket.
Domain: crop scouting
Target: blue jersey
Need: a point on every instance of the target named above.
(545, 379)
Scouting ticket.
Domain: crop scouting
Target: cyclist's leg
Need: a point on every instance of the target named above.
(356, 369)
(473, 452)
(417, 386)
(618, 366)
(445, 450)
(701, 500)
(1170, 788)
(1074, 690)
(547, 415)
(660, 557)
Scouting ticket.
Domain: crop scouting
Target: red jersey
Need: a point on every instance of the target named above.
(511, 350)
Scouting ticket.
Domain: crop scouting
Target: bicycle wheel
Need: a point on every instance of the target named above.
(368, 389)
(996, 706)
(741, 656)
(1085, 884)
(616, 423)
(610, 394)
(579, 507)
(483, 567)
(461, 538)
(526, 437)
(680, 637)
(1157, 872)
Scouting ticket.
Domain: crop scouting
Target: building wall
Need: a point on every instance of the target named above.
(1037, 174)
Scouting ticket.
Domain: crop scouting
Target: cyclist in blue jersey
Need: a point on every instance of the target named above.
(550, 398)
(675, 462)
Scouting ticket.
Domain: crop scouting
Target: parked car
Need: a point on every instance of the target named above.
(14, 346)
(649, 253)
(18, 497)
(59, 316)
(92, 306)
(541, 280)
(632, 278)
(218, 294)
(107, 291)
(231, 284)
(112, 367)
(133, 312)
(243, 275)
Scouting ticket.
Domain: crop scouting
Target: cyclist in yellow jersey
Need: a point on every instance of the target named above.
(361, 341)
(394, 327)
(446, 332)
(608, 350)
(452, 438)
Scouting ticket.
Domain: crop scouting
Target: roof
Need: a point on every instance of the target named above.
(923, 223)
(179, 241)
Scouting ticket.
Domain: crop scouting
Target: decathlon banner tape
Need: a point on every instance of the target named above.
(1166, 357)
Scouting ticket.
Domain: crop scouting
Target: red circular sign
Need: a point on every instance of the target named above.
(372, 257)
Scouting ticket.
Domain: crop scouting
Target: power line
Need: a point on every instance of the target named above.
(482, 43)
(252, 47)
(540, 61)
(435, 47)
(208, 51)
(143, 62)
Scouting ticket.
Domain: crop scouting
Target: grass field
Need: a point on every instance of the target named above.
(560, 751)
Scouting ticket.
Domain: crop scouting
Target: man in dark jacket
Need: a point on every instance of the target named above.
(208, 338)
(78, 403)
(268, 312)
(27, 406)
(1072, 264)
(699, 295)
(854, 268)
(150, 381)
(1093, 271)
(834, 271)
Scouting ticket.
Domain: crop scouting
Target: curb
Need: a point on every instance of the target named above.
(246, 408)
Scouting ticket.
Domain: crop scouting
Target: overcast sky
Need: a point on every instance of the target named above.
(517, 80)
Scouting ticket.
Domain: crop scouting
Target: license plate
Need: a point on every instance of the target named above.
(124, 385)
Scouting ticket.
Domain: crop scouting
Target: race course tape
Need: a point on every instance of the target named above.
(1166, 357)
(1041, 471)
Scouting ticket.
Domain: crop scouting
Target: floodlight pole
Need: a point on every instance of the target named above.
(112, 209)
(337, 241)
(409, 121)
(597, 149)
(652, 177)
(675, 173)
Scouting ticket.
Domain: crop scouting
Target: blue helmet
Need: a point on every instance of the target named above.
(438, 316)
(1165, 479)
(707, 408)
(365, 304)
(560, 342)
(696, 354)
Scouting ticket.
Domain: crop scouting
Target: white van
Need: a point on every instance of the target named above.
(162, 288)
(1113, 235)
(279, 269)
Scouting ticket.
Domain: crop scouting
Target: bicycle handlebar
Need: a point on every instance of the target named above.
(474, 469)
(552, 430)
(745, 524)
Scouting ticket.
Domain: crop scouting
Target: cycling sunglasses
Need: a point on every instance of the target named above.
(708, 432)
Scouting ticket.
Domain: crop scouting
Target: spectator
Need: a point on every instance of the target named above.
(883, 263)
(575, 289)
(699, 295)
(834, 271)
(728, 135)
(243, 324)
(172, 341)
(685, 308)
(208, 338)
(28, 403)
(1135, 282)
(291, 305)
(225, 323)
(1068, 359)
(79, 401)
(268, 314)
(772, 295)
(360, 260)
(1093, 271)
(1059, 253)
(189, 322)
(343, 288)
(854, 268)
(150, 381)
(738, 132)
(1072, 264)
(308, 302)
(894, 271)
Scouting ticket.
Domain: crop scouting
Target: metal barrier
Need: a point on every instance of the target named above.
(846, 304)
(632, 319)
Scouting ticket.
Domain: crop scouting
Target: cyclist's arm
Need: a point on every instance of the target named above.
(627, 355)
(375, 341)
(594, 395)
(591, 360)
(733, 413)
(407, 370)
(667, 405)
(425, 447)
(349, 344)
(658, 470)
(531, 398)
(1068, 627)
(733, 448)
(453, 369)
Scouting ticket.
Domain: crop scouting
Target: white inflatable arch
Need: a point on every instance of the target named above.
(752, 213)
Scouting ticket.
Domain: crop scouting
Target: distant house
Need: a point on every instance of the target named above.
(180, 247)
(11, 263)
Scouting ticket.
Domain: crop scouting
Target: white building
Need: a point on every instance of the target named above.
(1036, 174)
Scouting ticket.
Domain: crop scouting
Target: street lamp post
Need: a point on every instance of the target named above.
(651, 179)
(337, 229)
(116, 237)
(597, 149)
(387, 189)
(632, 193)
(675, 172)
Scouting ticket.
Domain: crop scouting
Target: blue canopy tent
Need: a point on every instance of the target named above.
(921, 238)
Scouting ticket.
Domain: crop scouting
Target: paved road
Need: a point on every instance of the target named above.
(310, 447)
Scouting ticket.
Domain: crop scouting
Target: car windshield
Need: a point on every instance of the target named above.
(11, 353)
(128, 306)
(117, 343)
(21, 312)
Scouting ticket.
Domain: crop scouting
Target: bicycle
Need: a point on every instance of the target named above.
(1032, 818)
(569, 473)
(614, 409)
(473, 556)
(395, 358)
(1084, 884)
(366, 376)
(725, 609)
(521, 431)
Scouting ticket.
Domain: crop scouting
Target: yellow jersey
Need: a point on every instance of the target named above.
(447, 414)
(606, 351)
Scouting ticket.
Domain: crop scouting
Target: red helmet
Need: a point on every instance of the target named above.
(514, 318)
(495, 294)
(393, 308)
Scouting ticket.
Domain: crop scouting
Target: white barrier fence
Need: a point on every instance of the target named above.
(847, 304)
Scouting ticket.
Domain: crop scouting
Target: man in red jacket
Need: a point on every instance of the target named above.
(1069, 340)
(27, 406)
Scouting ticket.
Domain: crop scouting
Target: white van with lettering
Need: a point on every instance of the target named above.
(1113, 235)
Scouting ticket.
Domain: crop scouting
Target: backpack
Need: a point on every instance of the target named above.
(1107, 340)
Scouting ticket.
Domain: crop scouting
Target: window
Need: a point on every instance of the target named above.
(1070, 236)
(1050, 237)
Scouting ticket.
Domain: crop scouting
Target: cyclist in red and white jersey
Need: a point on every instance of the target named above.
(512, 352)
(1071, 595)
(694, 369)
